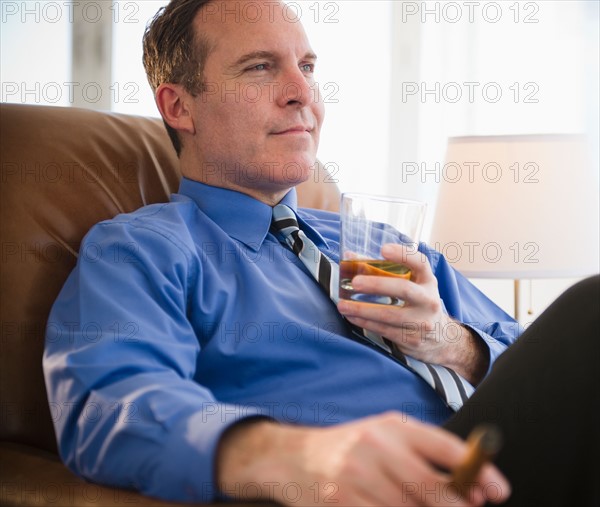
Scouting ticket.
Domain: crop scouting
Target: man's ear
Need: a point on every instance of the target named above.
(174, 106)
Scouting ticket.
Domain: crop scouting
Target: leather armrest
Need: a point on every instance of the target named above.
(31, 477)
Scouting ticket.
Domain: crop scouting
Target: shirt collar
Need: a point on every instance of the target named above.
(242, 217)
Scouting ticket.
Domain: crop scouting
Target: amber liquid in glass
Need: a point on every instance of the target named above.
(371, 267)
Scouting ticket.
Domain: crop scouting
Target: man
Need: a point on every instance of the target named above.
(183, 364)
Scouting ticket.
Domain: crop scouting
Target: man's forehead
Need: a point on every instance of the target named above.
(229, 13)
(236, 26)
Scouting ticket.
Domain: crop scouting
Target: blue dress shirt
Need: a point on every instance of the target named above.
(185, 317)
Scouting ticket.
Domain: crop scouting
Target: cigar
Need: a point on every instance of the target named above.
(483, 443)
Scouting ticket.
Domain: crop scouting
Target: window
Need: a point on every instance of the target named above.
(35, 53)
(133, 94)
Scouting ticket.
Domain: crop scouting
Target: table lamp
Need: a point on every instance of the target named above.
(518, 207)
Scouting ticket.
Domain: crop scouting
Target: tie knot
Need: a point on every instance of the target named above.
(284, 219)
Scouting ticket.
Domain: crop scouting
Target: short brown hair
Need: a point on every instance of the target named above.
(173, 53)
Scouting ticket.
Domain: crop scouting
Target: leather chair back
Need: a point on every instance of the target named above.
(63, 170)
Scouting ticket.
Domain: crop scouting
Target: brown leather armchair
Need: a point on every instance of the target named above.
(63, 170)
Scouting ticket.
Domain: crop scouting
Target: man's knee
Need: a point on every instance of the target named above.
(587, 289)
(583, 298)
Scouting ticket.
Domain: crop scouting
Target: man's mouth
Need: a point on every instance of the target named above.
(294, 130)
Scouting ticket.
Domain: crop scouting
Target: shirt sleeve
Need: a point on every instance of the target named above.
(119, 364)
(468, 305)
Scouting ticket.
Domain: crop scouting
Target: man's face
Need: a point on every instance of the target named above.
(257, 124)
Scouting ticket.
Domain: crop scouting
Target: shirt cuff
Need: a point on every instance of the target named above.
(194, 446)
(495, 348)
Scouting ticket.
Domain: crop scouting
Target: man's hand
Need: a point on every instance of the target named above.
(420, 328)
(388, 459)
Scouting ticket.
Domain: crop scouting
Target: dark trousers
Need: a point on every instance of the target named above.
(543, 393)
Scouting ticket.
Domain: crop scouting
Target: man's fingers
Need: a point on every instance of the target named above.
(448, 451)
(427, 446)
(437, 445)
(409, 256)
(389, 286)
(407, 319)
(391, 459)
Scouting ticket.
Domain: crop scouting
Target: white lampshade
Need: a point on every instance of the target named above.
(518, 207)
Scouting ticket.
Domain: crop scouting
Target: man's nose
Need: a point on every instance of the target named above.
(297, 89)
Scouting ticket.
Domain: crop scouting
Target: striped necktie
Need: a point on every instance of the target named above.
(450, 386)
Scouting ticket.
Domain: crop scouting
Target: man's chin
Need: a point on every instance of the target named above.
(291, 171)
(298, 172)
(277, 173)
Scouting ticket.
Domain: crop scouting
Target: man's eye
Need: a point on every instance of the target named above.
(307, 67)
(260, 66)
